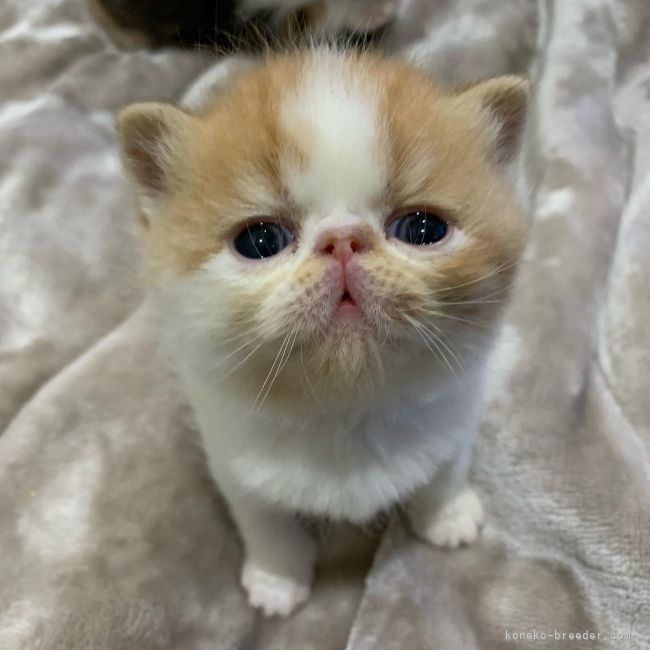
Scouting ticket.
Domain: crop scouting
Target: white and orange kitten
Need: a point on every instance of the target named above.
(329, 242)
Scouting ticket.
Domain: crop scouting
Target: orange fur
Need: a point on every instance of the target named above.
(224, 165)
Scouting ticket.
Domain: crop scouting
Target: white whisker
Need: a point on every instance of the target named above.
(275, 361)
(487, 276)
(439, 314)
(234, 352)
(287, 349)
(243, 361)
(429, 341)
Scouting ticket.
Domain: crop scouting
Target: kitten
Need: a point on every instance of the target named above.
(231, 22)
(329, 242)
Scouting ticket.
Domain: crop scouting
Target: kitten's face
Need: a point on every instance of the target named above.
(330, 219)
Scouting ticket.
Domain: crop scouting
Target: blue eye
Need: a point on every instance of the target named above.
(262, 239)
(419, 228)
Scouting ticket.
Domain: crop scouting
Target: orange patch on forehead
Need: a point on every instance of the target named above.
(227, 169)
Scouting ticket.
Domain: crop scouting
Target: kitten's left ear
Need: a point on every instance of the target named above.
(501, 105)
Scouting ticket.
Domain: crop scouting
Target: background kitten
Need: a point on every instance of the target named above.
(229, 23)
(329, 242)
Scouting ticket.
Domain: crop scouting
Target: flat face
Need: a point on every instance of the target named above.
(339, 205)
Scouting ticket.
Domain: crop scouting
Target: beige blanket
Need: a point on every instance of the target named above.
(111, 534)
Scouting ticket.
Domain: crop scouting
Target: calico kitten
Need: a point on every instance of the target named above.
(227, 23)
(329, 243)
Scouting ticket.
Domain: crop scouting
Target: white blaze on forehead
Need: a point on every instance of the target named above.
(334, 119)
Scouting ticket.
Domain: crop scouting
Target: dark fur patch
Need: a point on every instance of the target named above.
(217, 25)
(185, 23)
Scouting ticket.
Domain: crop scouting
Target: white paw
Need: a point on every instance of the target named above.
(273, 594)
(457, 522)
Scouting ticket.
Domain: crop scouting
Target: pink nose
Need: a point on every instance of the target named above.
(343, 244)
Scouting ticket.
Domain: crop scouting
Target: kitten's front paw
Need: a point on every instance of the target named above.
(457, 522)
(273, 594)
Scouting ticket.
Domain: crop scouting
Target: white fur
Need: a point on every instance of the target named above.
(351, 464)
(272, 593)
(413, 437)
(337, 124)
(456, 523)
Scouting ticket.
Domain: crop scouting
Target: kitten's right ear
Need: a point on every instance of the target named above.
(150, 136)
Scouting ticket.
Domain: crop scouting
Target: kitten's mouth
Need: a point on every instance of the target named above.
(347, 308)
(346, 298)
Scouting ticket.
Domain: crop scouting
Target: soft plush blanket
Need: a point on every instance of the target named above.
(111, 533)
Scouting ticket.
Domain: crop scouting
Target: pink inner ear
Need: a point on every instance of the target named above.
(143, 154)
(508, 104)
(512, 117)
(148, 135)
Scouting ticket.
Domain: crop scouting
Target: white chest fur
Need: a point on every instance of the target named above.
(347, 465)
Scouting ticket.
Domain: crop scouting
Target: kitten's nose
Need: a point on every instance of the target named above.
(343, 243)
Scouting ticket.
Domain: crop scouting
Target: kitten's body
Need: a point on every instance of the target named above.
(342, 375)
(348, 463)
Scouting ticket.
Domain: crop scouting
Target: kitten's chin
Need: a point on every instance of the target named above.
(351, 355)
(347, 361)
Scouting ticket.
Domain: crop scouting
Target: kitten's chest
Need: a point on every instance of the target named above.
(348, 469)
(348, 465)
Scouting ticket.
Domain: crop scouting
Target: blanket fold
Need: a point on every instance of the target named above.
(112, 534)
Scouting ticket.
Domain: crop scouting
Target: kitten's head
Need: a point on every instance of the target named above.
(330, 222)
